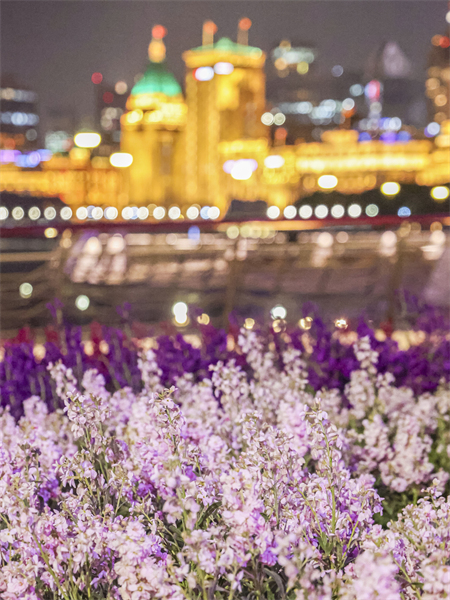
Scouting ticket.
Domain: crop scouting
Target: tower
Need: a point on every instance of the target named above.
(153, 129)
(225, 95)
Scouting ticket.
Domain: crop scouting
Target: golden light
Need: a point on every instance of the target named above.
(390, 188)
(88, 348)
(327, 182)
(50, 232)
(249, 323)
(436, 226)
(203, 319)
(279, 325)
(39, 351)
(104, 347)
(87, 139)
(306, 323)
(121, 159)
(341, 323)
(440, 193)
(134, 116)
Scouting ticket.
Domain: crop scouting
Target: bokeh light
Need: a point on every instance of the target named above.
(440, 193)
(321, 211)
(179, 311)
(390, 188)
(82, 302)
(337, 211)
(159, 213)
(50, 213)
(87, 139)
(372, 210)
(305, 211)
(121, 88)
(25, 290)
(66, 213)
(121, 159)
(327, 182)
(34, 213)
(50, 232)
(82, 213)
(97, 78)
(192, 213)
(18, 213)
(290, 212)
(273, 212)
(174, 213)
(278, 312)
(354, 211)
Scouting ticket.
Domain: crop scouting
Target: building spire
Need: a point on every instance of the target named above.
(243, 27)
(156, 48)
(209, 29)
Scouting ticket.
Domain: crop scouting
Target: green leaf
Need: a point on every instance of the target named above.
(277, 580)
(209, 512)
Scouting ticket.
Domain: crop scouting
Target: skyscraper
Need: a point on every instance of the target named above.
(19, 117)
(438, 79)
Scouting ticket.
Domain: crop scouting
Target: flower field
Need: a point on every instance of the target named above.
(286, 465)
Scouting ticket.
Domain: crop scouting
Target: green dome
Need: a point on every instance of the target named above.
(157, 80)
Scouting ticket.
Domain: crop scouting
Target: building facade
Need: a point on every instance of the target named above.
(212, 145)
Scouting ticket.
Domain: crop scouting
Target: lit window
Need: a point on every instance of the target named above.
(223, 68)
(204, 73)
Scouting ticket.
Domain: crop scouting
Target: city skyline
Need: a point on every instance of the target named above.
(91, 36)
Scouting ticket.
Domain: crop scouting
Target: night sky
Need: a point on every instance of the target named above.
(54, 47)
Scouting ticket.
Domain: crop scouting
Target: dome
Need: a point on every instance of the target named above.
(157, 79)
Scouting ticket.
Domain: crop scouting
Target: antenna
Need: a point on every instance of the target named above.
(156, 48)
(243, 27)
(209, 29)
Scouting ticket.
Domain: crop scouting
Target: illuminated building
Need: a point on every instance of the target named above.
(153, 131)
(390, 89)
(310, 100)
(110, 106)
(225, 96)
(212, 145)
(438, 80)
(18, 117)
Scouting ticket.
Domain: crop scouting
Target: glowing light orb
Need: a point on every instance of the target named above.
(390, 188)
(440, 193)
(25, 290)
(87, 139)
(121, 159)
(327, 182)
(82, 302)
(278, 312)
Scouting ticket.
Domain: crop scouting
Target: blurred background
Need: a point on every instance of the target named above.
(202, 159)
